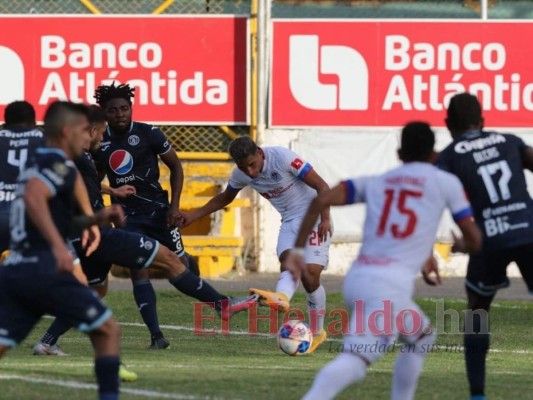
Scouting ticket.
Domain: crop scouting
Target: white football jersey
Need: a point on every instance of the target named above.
(404, 207)
(280, 182)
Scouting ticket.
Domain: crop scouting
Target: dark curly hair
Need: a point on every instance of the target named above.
(104, 93)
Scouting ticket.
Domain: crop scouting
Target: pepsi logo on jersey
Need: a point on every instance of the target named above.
(121, 162)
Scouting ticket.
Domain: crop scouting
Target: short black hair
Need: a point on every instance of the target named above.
(241, 148)
(104, 93)
(417, 141)
(96, 115)
(19, 112)
(58, 114)
(464, 112)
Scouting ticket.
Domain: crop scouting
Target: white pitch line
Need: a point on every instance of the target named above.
(92, 386)
(268, 335)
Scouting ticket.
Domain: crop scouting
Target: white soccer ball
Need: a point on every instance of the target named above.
(294, 338)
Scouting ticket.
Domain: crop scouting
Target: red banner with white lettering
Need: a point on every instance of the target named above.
(385, 73)
(187, 70)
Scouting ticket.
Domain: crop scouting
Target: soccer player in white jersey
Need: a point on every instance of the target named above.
(290, 184)
(404, 207)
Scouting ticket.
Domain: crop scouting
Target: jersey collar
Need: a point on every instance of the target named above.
(129, 130)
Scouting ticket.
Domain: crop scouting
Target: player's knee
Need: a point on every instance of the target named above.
(311, 279)
(101, 289)
(424, 343)
(139, 275)
(169, 262)
(110, 329)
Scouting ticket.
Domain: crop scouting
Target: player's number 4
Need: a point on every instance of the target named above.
(19, 161)
(398, 232)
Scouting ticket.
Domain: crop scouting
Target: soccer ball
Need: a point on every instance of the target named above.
(294, 338)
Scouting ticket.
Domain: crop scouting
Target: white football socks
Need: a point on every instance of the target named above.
(286, 284)
(316, 306)
(408, 368)
(345, 370)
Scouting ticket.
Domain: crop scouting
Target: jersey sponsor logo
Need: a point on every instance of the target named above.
(121, 162)
(133, 140)
(7, 195)
(125, 179)
(297, 163)
(478, 144)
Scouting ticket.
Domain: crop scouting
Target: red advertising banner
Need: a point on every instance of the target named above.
(187, 70)
(384, 73)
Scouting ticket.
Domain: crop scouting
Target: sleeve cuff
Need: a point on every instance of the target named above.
(349, 188)
(305, 170)
(463, 214)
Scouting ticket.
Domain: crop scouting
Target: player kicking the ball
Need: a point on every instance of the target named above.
(290, 184)
(404, 207)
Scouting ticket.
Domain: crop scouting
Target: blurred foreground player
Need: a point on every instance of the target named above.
(37, 278)
(404, 207)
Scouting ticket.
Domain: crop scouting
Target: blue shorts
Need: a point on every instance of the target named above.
(155, 226)
(487, 270)
(117, 246)
(30, 287)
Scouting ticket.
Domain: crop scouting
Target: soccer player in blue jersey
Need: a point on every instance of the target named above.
(129, 249)
(129, 154)
(491, 167)
(18, 140)
(37, 277)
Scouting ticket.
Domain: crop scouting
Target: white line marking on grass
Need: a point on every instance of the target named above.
(268, 335)
(92, 386)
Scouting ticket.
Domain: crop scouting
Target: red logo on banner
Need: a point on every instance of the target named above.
(378, 73)
(188, 70)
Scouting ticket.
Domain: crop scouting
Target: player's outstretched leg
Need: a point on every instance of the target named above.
(476, 342)
(192, 285)
(146, 300)
(285, 289)
(316, 303)
(345, 370)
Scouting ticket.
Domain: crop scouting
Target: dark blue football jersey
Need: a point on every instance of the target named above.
(491, 169)
(51, 166)
(16, 148)
(133, 159)
(85, 165)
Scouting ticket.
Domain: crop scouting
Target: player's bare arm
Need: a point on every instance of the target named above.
(121, 192)
(173, 163)
(333, 197)
(431, 267)
(471, 241)
(218, 202)
(36, 197)
(315, 181)
(90, 238)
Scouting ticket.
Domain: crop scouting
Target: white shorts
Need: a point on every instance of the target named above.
(316, 250)
(379, 317)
